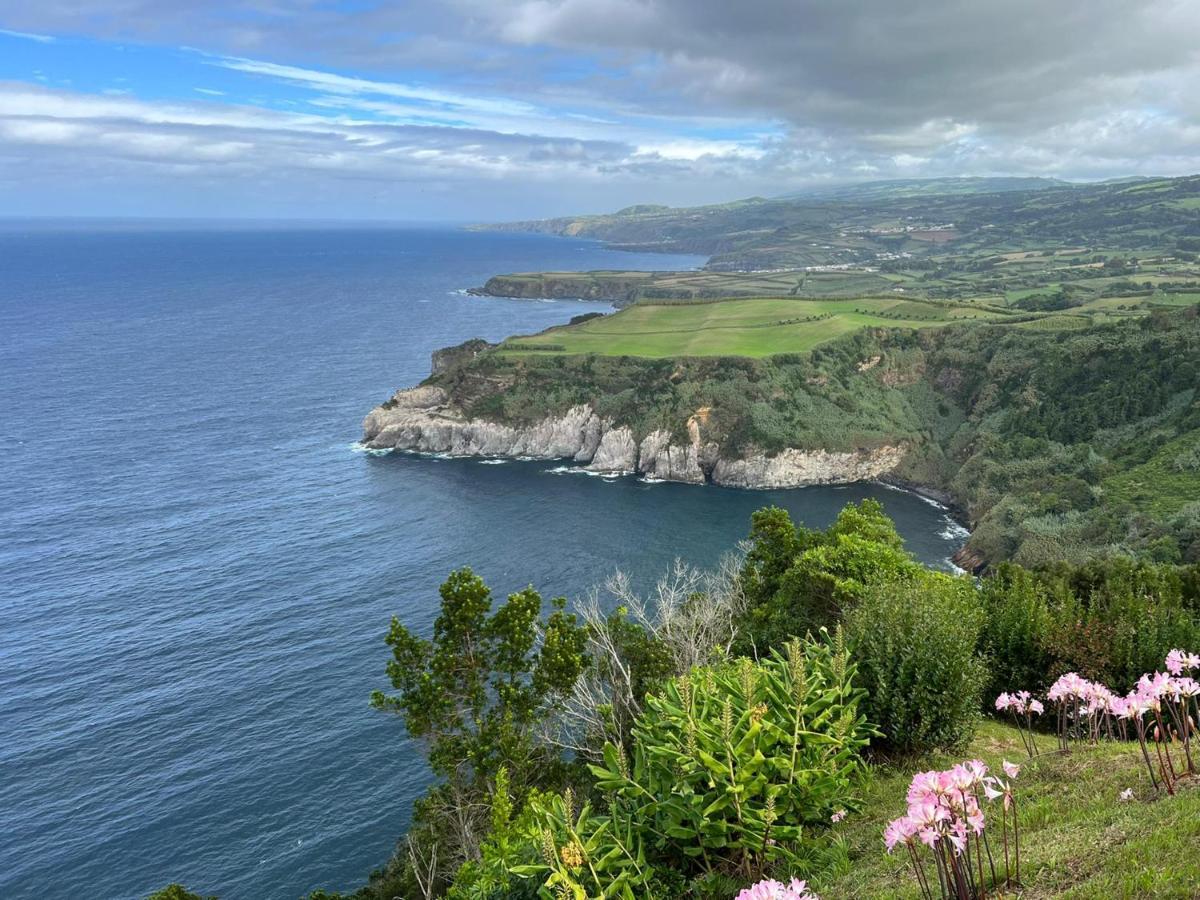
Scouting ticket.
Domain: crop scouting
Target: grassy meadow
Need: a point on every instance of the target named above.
(751, 327)
(1078, 840)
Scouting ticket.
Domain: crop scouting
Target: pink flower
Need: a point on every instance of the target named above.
(1035, 707)
(771, 889)
(1003, 702)
(1011, 770)
(1180, 661)
(837, 816)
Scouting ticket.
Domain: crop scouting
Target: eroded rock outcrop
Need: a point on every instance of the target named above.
(793, 468)
(422, 419)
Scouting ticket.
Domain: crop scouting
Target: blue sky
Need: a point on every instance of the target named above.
(517, 108)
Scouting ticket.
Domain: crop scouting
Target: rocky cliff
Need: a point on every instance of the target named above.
(422, 419)
(617, 288)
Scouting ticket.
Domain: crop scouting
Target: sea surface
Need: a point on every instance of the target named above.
(197, 567)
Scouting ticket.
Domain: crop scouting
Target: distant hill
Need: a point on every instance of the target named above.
(857, 224)
(924, 187)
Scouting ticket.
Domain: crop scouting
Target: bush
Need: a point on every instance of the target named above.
(914, 643)
(730, 762)
(1109, 620)
(1016, 624)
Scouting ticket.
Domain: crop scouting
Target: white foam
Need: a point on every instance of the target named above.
(953, 530)
(903, 490)
(493, 462)
(360, 447)
(954, 567)
(584, 470)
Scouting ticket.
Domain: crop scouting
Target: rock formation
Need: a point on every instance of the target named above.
(422, 419)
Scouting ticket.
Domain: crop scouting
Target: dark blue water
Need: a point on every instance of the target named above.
(196, 569)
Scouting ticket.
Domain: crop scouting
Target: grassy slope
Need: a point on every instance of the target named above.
(1077, 840)
(1158, 484)
(753, 328)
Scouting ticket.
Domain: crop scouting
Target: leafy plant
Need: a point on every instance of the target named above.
(915, 646)
(730, 763)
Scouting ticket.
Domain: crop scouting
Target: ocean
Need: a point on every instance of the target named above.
(197, 567)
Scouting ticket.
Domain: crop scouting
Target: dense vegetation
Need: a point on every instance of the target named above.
(746, 742)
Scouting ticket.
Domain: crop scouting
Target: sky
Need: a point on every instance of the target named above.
(504, 109)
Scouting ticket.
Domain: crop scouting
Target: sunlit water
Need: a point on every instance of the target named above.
(197, 569)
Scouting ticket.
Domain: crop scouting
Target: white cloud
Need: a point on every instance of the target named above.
(28, 36)
(342, 84)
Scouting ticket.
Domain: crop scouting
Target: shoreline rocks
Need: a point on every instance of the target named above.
(422, 419)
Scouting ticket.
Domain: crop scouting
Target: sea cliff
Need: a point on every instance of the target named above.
(422, 419)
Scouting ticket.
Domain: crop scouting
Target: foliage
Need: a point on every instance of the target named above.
(176, 892)
(474, 690)
(730, 763)
(476, 694)
(797, 580)
(508, 846)
(1110, 620)
(634, 642)
(915, 646)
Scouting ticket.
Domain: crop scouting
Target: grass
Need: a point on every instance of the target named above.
(758, 327)
(1077, 840)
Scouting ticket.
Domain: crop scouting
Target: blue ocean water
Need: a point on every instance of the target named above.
(197, 569)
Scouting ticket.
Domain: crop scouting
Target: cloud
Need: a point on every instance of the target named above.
(605, 102)
(342, 84)
(27, 36)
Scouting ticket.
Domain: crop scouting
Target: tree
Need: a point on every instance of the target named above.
(475, 694)
(797, 580)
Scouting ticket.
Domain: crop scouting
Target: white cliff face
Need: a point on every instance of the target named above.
(421, 420)
(617, 452)
(795, 468)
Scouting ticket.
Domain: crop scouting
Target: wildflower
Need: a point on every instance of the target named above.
(1126, 795)
(899, 831)
(837, 816)
(572, 855)
(1180, 661)
(770, 889)
(1010, 769)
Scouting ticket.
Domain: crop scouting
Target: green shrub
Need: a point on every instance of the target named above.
(176, 892)
(1016, 623)
(1109, 620)
(729, 763)
(914, 643)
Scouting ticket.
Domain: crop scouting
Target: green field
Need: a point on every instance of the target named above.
(753, 327)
